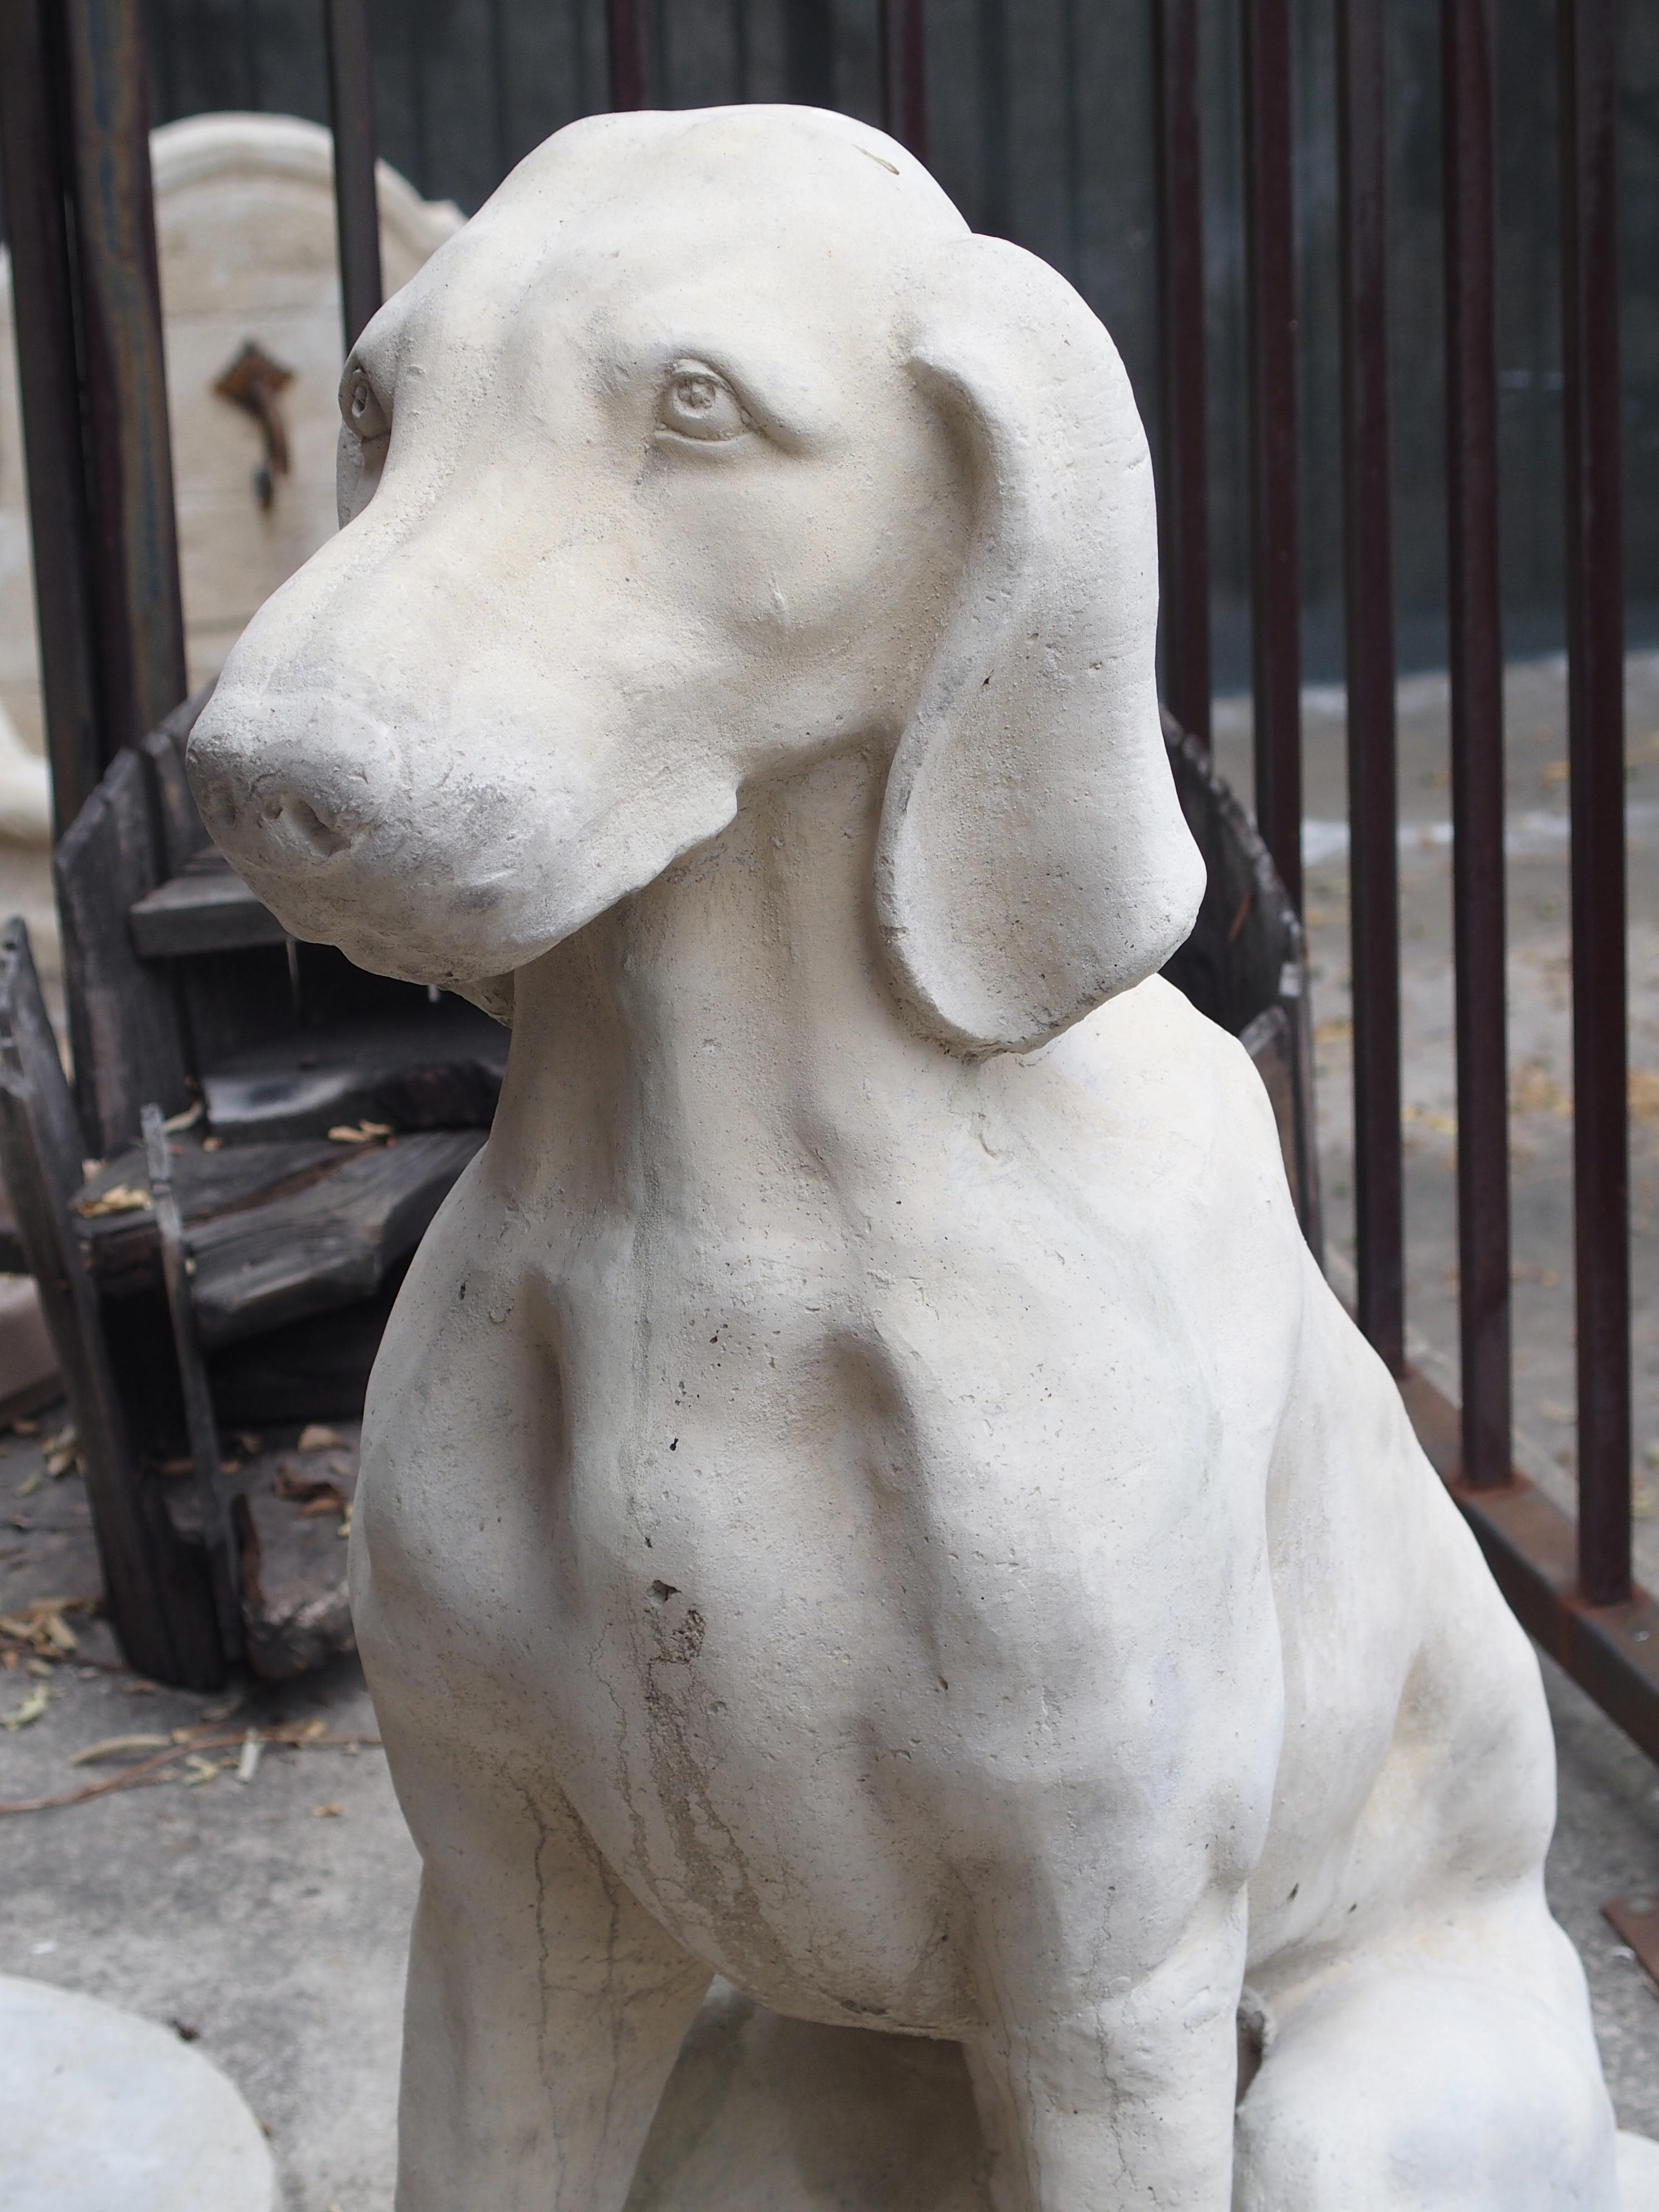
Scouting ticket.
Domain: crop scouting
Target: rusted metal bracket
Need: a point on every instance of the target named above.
(253, 382)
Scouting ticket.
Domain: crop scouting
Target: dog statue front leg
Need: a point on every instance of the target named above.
(545, 2011)
(1115, 2097)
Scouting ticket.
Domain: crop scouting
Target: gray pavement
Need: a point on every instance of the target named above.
(266, 1919)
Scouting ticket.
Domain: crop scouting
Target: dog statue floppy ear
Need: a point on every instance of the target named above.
(1033, 859)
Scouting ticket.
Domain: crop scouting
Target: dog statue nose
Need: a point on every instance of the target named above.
(286, 816)
(240, 810)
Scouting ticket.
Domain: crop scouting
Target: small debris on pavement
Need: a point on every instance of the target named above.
(61, 1453)
(317, 1435)
(192, 1745)
(121, 1198)
(118, 1746)
(314, 1493)
(30, 1709)
(41, 1628)
(326, 1813)
(185, 2030)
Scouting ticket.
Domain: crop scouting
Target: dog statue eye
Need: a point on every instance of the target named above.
(360, 409)
(699, 403)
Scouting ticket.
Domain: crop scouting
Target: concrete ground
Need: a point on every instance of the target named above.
(267, 1919)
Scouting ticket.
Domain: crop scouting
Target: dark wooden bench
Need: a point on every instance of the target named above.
(317, 1118)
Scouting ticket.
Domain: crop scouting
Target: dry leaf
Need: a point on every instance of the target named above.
(187, 1120)
(30, 1709)
(324, 1812)
(328, 1500)
(42, 1626)
(360, 1132)
(26, 1428)
(317, 1435)
(61, 1453)
(1645, 1094)
(1426, 1117)
(211, 1144)
(119, 1198)
(1534, 1089)
(313, 1492)
(118, 1746)
(198, 1769)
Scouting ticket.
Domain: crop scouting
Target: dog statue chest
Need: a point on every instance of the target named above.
(772, 1540)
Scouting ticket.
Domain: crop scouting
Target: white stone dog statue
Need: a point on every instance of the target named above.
(864, 1491)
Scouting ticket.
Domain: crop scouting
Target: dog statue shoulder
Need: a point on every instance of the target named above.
(866, 1494)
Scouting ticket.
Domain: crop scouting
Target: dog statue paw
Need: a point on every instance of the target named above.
(865, 1493)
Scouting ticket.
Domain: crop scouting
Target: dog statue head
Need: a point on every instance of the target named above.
(713, 443)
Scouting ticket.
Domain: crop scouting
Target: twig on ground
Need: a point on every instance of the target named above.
(302, 1736)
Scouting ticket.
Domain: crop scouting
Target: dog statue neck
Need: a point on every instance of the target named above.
(733, 1018)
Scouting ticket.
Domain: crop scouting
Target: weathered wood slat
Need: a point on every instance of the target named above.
(327, 1244)
(183, 830)
(206, 908)
(274, 1231)
(315, 1369)
(439, 1068)
(124, 1027)
(158, 1596)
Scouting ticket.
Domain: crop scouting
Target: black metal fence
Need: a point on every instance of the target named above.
(1042, 122)
(75, 169)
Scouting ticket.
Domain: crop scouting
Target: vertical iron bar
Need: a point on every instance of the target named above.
(740, 47)
(904, 74)
(626, 31)
(1184, 516)
(34, 157)
(1476, 657)
(1072, 97)
(1270, 342)
(1374, 848)
(1595, 747)
(356, 202)
(140, 612)
(996, 168)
